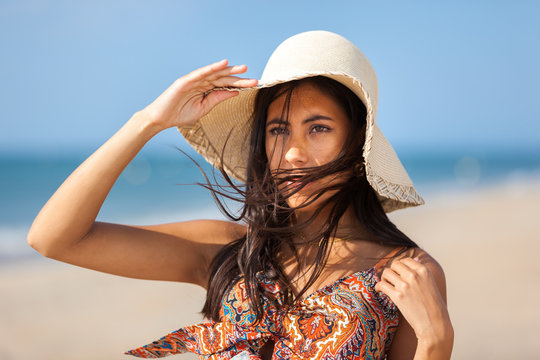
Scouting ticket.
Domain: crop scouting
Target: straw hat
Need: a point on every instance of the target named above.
(225, 130)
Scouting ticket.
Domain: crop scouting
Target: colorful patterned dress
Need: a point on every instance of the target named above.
(347, 319)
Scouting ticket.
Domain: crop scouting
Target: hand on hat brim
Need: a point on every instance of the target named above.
(192, 96)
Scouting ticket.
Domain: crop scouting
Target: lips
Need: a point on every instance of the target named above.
(292, 184)
(295, 183)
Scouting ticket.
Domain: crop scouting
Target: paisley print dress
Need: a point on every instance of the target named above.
(347, 319)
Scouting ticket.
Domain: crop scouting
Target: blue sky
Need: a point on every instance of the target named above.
(459, 74)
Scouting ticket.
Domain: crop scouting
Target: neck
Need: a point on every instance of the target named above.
(344, 247)
(347, 224)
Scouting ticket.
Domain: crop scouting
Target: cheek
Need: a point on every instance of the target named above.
(327, 150)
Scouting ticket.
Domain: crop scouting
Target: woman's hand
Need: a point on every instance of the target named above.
(193, 95)
(415, 290)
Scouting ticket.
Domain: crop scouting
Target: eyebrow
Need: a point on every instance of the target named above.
(279, 121)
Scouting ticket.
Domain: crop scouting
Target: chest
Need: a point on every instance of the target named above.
(343, 261)
(345, 317)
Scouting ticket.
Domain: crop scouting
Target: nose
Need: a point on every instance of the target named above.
(296, 154)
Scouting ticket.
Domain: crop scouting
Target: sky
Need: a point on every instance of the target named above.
(452, 75)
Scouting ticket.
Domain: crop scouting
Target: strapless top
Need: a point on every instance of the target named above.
(347, 319)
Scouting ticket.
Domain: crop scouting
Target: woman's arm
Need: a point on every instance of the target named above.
(418, 288)
(65, 228)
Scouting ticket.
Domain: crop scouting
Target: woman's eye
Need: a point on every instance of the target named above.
(319, 128)
(278, 131)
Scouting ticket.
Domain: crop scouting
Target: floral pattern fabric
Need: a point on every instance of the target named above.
(347, 319)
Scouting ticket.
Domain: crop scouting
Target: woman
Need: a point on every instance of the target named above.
(317, 270)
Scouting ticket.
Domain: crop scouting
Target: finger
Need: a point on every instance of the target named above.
(215, 97)
(416, 265)
(413, 263)
(391, 277)
(234, 81)
(399, 267)
(406, 275)
(205, 71)
(421, 269)
(411, 270)
(386, 288)
(229, 70)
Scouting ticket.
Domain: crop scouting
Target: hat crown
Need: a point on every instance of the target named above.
(314, 53)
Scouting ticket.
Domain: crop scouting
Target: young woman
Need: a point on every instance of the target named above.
(314, 269)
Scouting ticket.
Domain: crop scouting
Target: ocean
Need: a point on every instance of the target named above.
(161, 188)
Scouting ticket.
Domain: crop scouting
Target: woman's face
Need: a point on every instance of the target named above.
(313, 134)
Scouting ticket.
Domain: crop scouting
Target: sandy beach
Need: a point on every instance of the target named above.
(486, 240)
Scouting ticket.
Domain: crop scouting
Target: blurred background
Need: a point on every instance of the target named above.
(459, 99)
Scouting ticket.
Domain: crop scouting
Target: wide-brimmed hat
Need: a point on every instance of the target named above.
(224, 133)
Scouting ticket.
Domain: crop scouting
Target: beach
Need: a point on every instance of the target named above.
(487, 241)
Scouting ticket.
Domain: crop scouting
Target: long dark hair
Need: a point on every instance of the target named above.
(271, 224)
